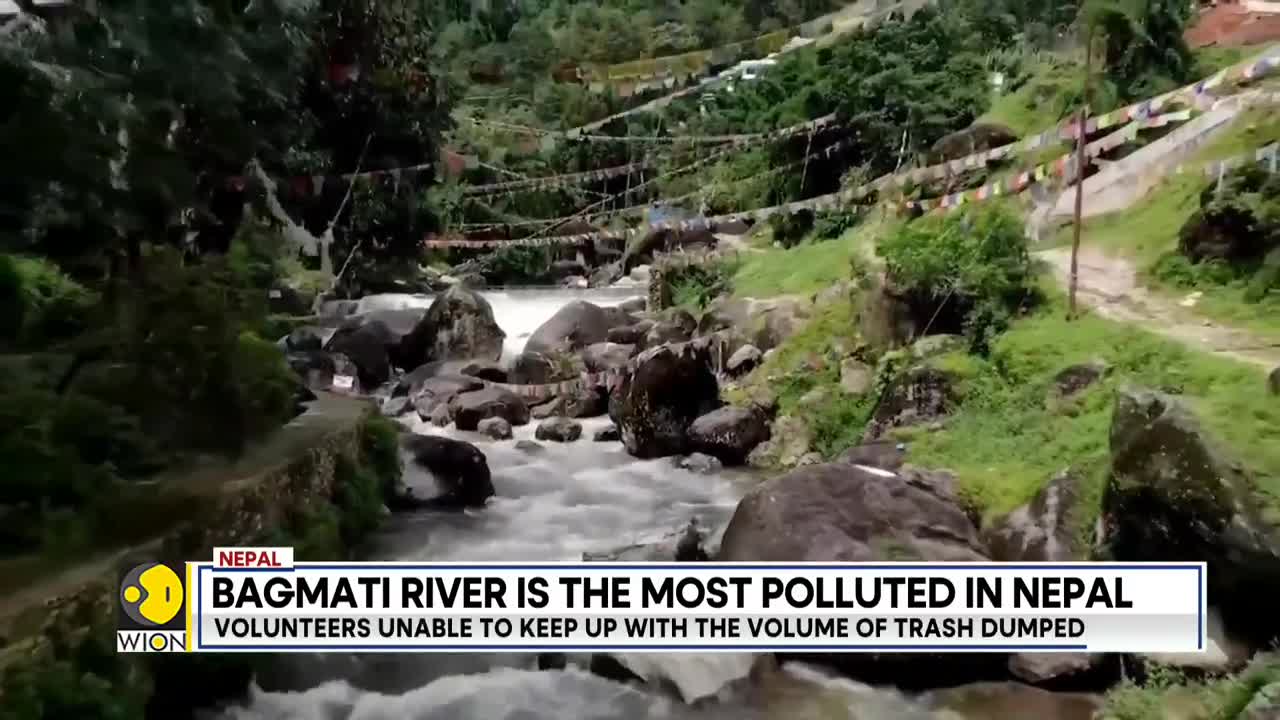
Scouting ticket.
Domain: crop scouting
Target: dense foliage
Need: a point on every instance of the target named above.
(967, 270)
(138, 251)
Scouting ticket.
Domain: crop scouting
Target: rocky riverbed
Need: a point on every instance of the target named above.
(626, 447)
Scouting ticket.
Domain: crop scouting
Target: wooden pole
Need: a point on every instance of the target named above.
(1080, 166)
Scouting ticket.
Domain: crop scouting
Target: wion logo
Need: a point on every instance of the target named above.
(152, 614)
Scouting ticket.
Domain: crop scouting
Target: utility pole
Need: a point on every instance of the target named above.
(1080, 166)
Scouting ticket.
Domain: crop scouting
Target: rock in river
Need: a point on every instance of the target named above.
(459, 325)
(459, 469)
(469, 408)
(666, 389)
(559, 429)
(729, 433)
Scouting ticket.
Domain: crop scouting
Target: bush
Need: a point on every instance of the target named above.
(695, 285)
(380, 451)
(790, 228)
(972, 265)
(41, 303)
(831, 225)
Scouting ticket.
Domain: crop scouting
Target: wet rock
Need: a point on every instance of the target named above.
(856, 377)
(633, 334)
(664, 391)
(531, 368)
(575, 282)
(396, 406)
(634, 305)
(918, 396)
(530, 447)
(606, 274)
(1042, 530)
(693, 676)
(574, 326)
(411, 382)
(1054, 668)
(699, 463)
(746, 359)
(1071, 380)
(729, 433)
(495, 427)
(440, 416)
(441, 389)
(367, 345)
(606, 356)
(558, 429)
(607, 434)
(1006, 700)
(459, 325)
(684, 545)
(469, 408)
(883, 454)
(1174, 495)
(640, 273)
(459, 469)
(662, 333)
(585, 402)
(561, 269)
(547, 409)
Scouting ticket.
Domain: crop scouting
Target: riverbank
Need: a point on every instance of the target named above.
(317, 484)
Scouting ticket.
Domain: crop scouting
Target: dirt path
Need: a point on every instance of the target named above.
(1111, 287)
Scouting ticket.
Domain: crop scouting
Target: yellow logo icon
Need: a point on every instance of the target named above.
(151, 594)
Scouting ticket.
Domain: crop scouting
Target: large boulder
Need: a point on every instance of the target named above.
(606, 356)
(729, 433)
(574, 326)
(661, 333)
(495, 427)
(533, 368)
(367, 345)
(1043, 530)
(558, 429)
(842, 512)
(459, 325)
(633, 334)
(307, 338)
(459, 469)
(663, 392)
(436, 392)
(885, 319)
(1173, 494)
(469, 408)
(411, 382)
(979, 701)
(764, 323)
(744, 360)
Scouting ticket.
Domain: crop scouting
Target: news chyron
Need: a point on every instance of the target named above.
(153, 610)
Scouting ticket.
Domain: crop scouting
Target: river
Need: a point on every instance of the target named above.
(552, 504)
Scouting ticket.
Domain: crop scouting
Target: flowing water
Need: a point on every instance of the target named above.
(554, 503)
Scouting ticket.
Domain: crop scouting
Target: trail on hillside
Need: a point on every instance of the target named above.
(1111, 287)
